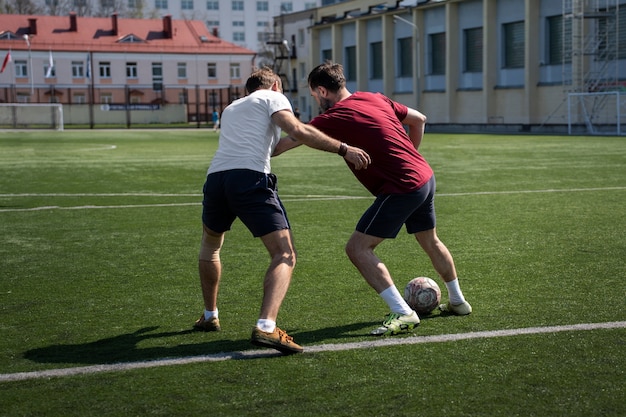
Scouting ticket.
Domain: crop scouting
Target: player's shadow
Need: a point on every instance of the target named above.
(126, 347)
(349, 331)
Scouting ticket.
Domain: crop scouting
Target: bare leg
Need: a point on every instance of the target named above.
(279, 244)
(360, 250)
(438, 253)
(210, 266)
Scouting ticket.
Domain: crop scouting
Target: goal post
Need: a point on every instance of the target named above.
(31, 116)
(601, 113)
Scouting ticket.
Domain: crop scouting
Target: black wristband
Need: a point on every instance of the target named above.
(343, 149)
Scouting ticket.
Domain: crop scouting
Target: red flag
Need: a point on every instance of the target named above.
(7, 59)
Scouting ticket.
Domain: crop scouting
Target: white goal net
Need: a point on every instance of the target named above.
(31, 116)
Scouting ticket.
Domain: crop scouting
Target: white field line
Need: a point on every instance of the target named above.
(332, 347)
(284, 198)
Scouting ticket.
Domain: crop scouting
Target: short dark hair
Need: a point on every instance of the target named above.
(261, 78)
(328, 75)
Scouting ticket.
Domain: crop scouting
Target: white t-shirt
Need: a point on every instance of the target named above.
(248, 135)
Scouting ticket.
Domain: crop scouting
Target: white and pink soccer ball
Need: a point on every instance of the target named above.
(422, 294)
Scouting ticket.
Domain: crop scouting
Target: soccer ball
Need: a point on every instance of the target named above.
(422, 294)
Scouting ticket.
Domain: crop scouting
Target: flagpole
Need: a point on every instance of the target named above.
(30, 60)
(90, 75)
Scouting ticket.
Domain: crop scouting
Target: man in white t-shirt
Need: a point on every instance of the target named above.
(240, 184)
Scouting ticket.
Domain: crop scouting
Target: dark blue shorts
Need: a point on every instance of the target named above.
(389, 212)
(249, 195)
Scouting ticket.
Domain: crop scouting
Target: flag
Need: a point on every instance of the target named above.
(7, 59)
(88, 65)
(50, 66)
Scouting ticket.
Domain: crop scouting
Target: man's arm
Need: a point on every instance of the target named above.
(314, 138)
(286, 143)
(416, 122)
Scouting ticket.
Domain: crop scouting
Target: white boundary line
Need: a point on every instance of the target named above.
(332, 347)
(284, 198)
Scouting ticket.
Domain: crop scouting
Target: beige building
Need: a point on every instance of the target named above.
(171, 70)
(479, 65)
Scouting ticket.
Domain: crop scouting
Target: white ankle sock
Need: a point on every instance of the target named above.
(395, 301)
(268, 326)
(208, 314)
(454, 292)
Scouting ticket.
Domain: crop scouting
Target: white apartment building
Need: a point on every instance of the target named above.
(245, 23)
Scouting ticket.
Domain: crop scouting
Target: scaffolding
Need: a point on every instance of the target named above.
(591, 67)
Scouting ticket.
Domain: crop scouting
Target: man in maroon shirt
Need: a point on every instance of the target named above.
(400, 179)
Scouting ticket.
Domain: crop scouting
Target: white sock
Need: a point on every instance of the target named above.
(268, 326)
(395, 301)
(454, 292)
(208, 314)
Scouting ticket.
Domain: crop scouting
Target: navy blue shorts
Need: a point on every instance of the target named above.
(249, 195)
(389, 212)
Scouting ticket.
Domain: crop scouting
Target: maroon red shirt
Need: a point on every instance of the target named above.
(372, 122)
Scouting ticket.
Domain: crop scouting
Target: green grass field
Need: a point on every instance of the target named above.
(99, 234)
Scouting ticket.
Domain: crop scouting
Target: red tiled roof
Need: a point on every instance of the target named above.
(97, 34)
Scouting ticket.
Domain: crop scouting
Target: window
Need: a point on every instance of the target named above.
(559, 30)
(212, 5)
(211, 70)
(213, 24)
(182, 70)
(186, 4)
(302, 68)
(301, 37)
(105, 69)
(611, 35)
(239, 36)
(21, 68)
(405, 57)
(350, 67)
(131, 70)
(106, 98)
(132, 4)
(327, 54)
(286, 7)
(437, 53)
(237, 5)
(78, 69)
(131, 39)
(376, 61)
(239, 23)
(262, 6)
(514, 45)
(182, 97)
(157, 76)
(235, 71)
(473, 49)
(7, 36)
(23, 98)
(78, 98)
(106, 4)
(160, 4)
